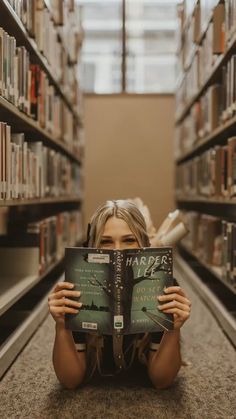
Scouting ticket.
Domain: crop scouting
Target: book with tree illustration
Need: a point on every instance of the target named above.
(119, 289)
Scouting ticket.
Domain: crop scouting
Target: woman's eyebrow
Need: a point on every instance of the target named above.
(129, 235)
(106, 237)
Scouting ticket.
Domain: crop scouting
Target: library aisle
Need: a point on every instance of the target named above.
(118, 100)
(204, 389)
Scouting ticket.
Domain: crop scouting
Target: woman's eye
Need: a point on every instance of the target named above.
(131, 240)
(106, 242)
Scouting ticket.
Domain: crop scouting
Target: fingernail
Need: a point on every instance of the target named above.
(160, 297)
(159, 306)
(78, 293)
(71, 285)
(80, 304)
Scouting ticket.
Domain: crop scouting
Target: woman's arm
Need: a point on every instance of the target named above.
(69, 365)
(164, 364)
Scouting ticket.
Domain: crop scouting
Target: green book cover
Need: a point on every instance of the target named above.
(119, 289)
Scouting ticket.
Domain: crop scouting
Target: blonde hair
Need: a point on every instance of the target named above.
(124, 210)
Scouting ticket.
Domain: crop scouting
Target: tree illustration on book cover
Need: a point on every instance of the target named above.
(119, 289)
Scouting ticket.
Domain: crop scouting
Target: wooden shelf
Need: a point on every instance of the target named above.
(217, 272)
(13, 25)
(203, 34)
(218, 293)
(24, 299)
(28, 321)
(12, 289)
(223, 316)
(213, 201)
(222, 208)
(204, 143)
(22, 122)
(222, 59)
(17, 340)
(40, 201)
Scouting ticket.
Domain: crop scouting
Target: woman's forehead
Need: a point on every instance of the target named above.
(116, 225)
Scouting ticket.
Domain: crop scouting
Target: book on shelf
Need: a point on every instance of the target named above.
(218, 36)
(207, 45)
(230, 22)
(211, 174)
(29, 169)
(229, 252)
(4, 212)
(119, 289)
(26, 86)
(46, 26)
(213, 241)
(35, 246)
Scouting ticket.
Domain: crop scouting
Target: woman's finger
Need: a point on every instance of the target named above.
(174, 289)
(61, 285)
(173, 304)
(64, 293)
(183, 315)
(174, 296)
(64, 310)
(65, 302)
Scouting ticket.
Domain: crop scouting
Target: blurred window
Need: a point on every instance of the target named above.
(144, 45)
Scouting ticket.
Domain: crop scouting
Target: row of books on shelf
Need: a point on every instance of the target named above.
(230, 18)
(32, 170)
(42, 23)
(35, 246)
(213, 241)
(189, 8)
(215, 107)
(202, 64)
(211, 44)
(58, 10)
(27, 87)
(211, 174)
(71, 31)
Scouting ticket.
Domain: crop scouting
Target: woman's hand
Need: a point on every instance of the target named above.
(59, 301)
(176, 302)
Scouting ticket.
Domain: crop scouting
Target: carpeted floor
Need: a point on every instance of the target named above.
(204, 390)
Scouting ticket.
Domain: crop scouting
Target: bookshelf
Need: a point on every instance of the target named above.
(41, 160)
(205, 152)
(20, 324)
(209, 80)
(216, 271)
(12, 289)
(41, 201)
(23, 122)
(224, 313)
(16, 28)
(217, 136)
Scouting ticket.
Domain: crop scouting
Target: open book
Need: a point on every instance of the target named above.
(119, 289)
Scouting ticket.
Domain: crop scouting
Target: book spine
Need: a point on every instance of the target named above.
(118, 324)
(233, 277)
(229, 250)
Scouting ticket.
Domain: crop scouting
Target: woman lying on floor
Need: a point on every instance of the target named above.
(76, 356)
